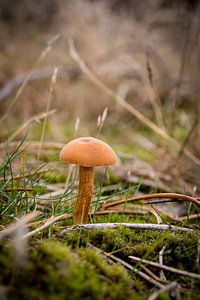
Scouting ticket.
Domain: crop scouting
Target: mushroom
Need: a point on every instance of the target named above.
(87, 152)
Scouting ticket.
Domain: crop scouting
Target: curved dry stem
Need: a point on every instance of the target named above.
(180, 197)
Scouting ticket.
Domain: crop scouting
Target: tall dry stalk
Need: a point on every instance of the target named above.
(53, 82)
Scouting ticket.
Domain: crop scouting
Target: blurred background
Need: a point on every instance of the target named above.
(144, 56)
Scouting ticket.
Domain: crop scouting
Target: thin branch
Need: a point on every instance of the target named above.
(131, 268)
(198, 254)
(162, 275)
(49, 223)
(190, 217)
(26, 175)
(95, 226)
(179, 197)
(164, 267)
(20, 189)
(111, 258)
(150, 273)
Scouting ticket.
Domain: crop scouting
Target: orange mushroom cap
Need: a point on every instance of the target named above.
(88, 152)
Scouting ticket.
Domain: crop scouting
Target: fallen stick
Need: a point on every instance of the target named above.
(161, 227)
(49, 222)
(164, 267)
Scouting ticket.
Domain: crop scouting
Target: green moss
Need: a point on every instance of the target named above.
(6, 262)
(69, 269)
(180, 248)
(53, 271)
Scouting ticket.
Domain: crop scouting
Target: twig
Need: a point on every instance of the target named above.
(150, 273)
(198, 254)
(133, 269)
(76, 57)
(161, 227)
(164, 267)
(20, 189)
(190, 217)
(49, 223)
(180, 197)
(166, 288)
(162, 275)
(25, 175)
(127, 266)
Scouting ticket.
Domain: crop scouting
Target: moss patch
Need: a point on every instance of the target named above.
(180, 252)
(53, 271)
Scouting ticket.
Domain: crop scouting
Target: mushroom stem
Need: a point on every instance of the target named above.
(84, 195)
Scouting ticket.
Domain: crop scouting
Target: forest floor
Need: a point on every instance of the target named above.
(142, 237)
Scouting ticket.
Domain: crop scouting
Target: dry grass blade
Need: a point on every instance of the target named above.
(26, 175)
(76, 57)
(198, 254)
(53, 82)
(164, 267)
(190, 217)
(20, 189)
(162, 275)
